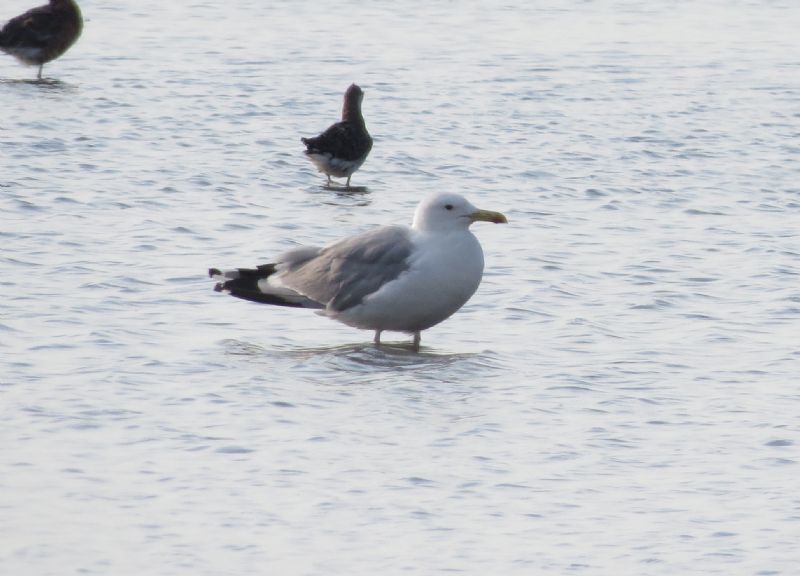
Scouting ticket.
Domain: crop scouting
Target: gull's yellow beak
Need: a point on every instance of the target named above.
(488, 216)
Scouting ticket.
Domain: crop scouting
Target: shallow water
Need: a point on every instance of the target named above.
(619, 397)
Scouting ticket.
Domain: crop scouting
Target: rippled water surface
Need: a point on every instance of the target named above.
(619, 397)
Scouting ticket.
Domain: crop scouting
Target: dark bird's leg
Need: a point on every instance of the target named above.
(348, 182)
(417, 339)
(39, 76)
(377, 338)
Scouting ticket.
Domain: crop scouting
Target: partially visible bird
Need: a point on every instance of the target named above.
(43, 33)
(389, 278)
(342, 148)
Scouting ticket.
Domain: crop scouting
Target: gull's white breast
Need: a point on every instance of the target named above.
(444, 271)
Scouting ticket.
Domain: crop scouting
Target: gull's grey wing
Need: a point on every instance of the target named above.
(296, 257)
(343, 274)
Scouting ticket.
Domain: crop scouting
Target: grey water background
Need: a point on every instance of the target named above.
(619, 397)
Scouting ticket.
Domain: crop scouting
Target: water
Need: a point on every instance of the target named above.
(619, 397)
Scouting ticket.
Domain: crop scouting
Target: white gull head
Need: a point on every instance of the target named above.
(446, 212)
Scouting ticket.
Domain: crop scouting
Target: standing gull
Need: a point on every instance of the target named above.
(390, 278)
(342, 148)
(43, 33)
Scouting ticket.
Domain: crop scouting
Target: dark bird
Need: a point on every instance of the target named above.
(342, 148)
(43, 33)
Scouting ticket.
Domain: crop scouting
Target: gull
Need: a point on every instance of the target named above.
(395, 278)
(43, 33)
(342, 148)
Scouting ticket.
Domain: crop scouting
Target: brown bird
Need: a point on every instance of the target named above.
(43, 33)
(342, 148)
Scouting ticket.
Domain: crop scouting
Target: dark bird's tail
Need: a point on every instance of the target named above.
(311, 144)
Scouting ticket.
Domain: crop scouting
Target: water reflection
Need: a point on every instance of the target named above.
(353, 196)
(367, 358)
(52, 84)
(345, 190)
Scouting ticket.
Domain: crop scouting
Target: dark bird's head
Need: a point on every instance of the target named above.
(352, 103)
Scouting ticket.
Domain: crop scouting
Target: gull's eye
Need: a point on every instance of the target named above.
(448, 206)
